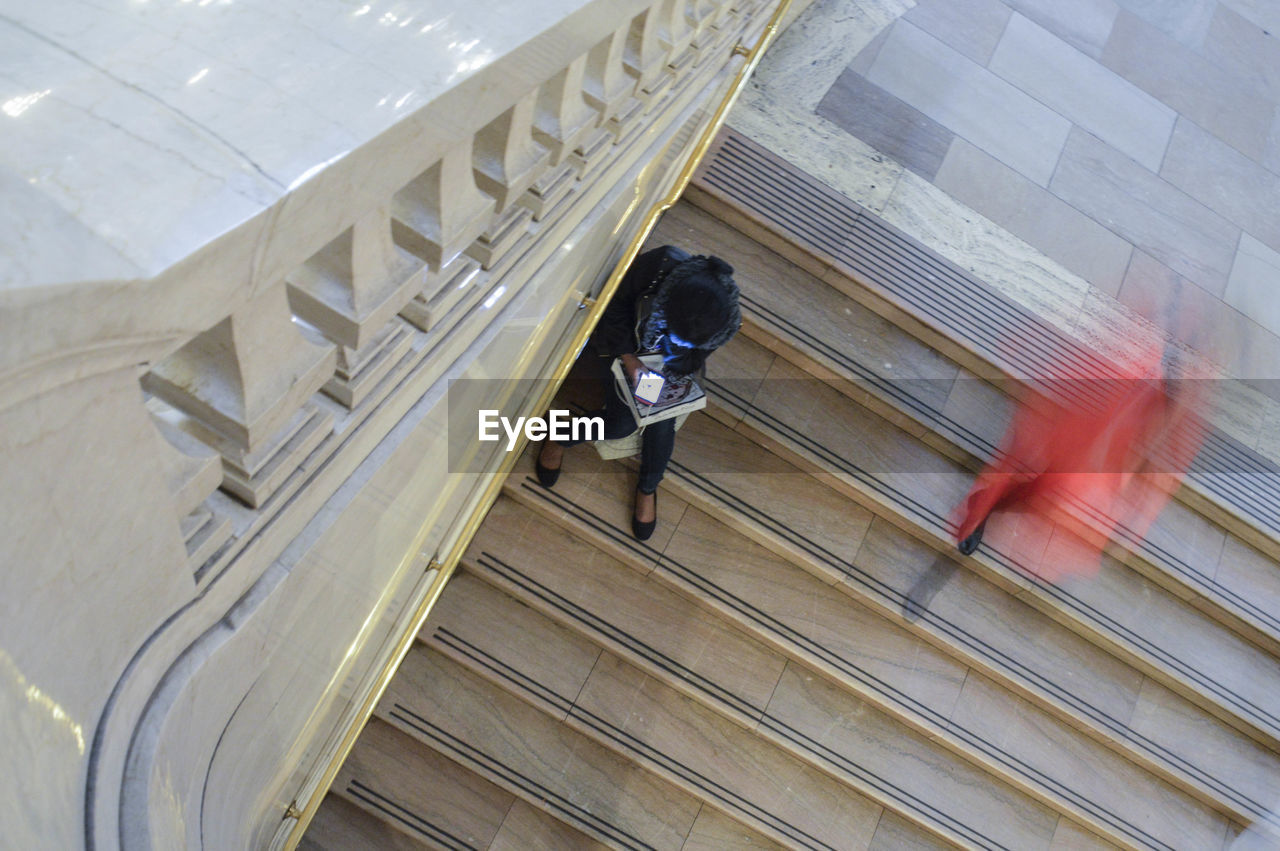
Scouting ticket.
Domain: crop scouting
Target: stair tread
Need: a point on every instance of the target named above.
(814, 622)
(1058, 758)
(714, 831)
(722, 761)
(928, 292)
(529, 829)
(1069, 654)
(906, 480)
(551, 659)
(340, 825)
(969, 616)
(881, 366)
(420, 792)
(520, 551)
(1063, 667)
(517, 746)
(396, 793)
(619, 605)
(573, 747)
(457, 632)
(665, 722)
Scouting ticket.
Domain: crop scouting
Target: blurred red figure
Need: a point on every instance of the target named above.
(1090, 467)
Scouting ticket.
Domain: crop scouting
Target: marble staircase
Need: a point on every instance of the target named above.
(799, 658)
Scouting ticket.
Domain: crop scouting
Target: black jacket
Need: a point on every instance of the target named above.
(635, 314)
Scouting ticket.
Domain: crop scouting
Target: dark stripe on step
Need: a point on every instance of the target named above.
(810, 214)
(889, 693)
(411, 820)
(465, 648)
(927, 518)
(602, 628)
(541, 795)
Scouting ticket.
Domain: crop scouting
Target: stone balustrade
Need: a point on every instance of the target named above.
(225, 425)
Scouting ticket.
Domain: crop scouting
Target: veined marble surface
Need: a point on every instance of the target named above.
(132, 132)
(779, 111)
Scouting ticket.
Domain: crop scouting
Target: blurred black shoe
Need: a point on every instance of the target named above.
(644, 530)
(969, 545)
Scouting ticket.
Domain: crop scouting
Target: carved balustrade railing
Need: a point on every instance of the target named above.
(292, 443)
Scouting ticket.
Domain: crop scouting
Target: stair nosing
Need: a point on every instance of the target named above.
(710, 179)
(1053, 599)
(840, 671)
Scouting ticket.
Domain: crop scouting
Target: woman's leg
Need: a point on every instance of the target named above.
(618, 422)
(656, 448)
(655, 452)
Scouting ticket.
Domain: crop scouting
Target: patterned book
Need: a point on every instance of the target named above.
(678, 395)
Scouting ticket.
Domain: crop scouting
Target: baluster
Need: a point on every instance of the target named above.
(507, 161)
(676, 34)
(563, 118)
(610, 89)
(562, 121)
(247, 381)
(426, 225)
(193, 472)
(351, 290)
(707, 18)
(590, 150)
(646, 56)
(441, 211)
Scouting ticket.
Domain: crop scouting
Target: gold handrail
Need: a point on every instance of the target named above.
(444, 567)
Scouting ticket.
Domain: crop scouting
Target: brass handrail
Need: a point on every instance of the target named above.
(444, 567)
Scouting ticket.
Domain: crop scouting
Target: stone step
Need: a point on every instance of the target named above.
(399, 794)
(464, 809)
(889, 572)
(704, 558)
(676, 709)
(910, 484)
(633, 792)
(867, 646)
(340, 825)
(518, 748)
(835, 339)
(851, 249)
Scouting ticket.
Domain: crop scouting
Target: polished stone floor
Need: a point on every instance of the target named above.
(1121, 155)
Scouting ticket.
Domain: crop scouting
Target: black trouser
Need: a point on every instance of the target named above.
(657, 443)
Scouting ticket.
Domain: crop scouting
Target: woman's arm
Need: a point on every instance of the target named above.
(615, 333)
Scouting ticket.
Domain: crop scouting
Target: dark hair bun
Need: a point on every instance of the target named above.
(698, 308)
(718, 267)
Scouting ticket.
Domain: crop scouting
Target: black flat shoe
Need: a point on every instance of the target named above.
(547, 477)
(644, 531)
(969, 545)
